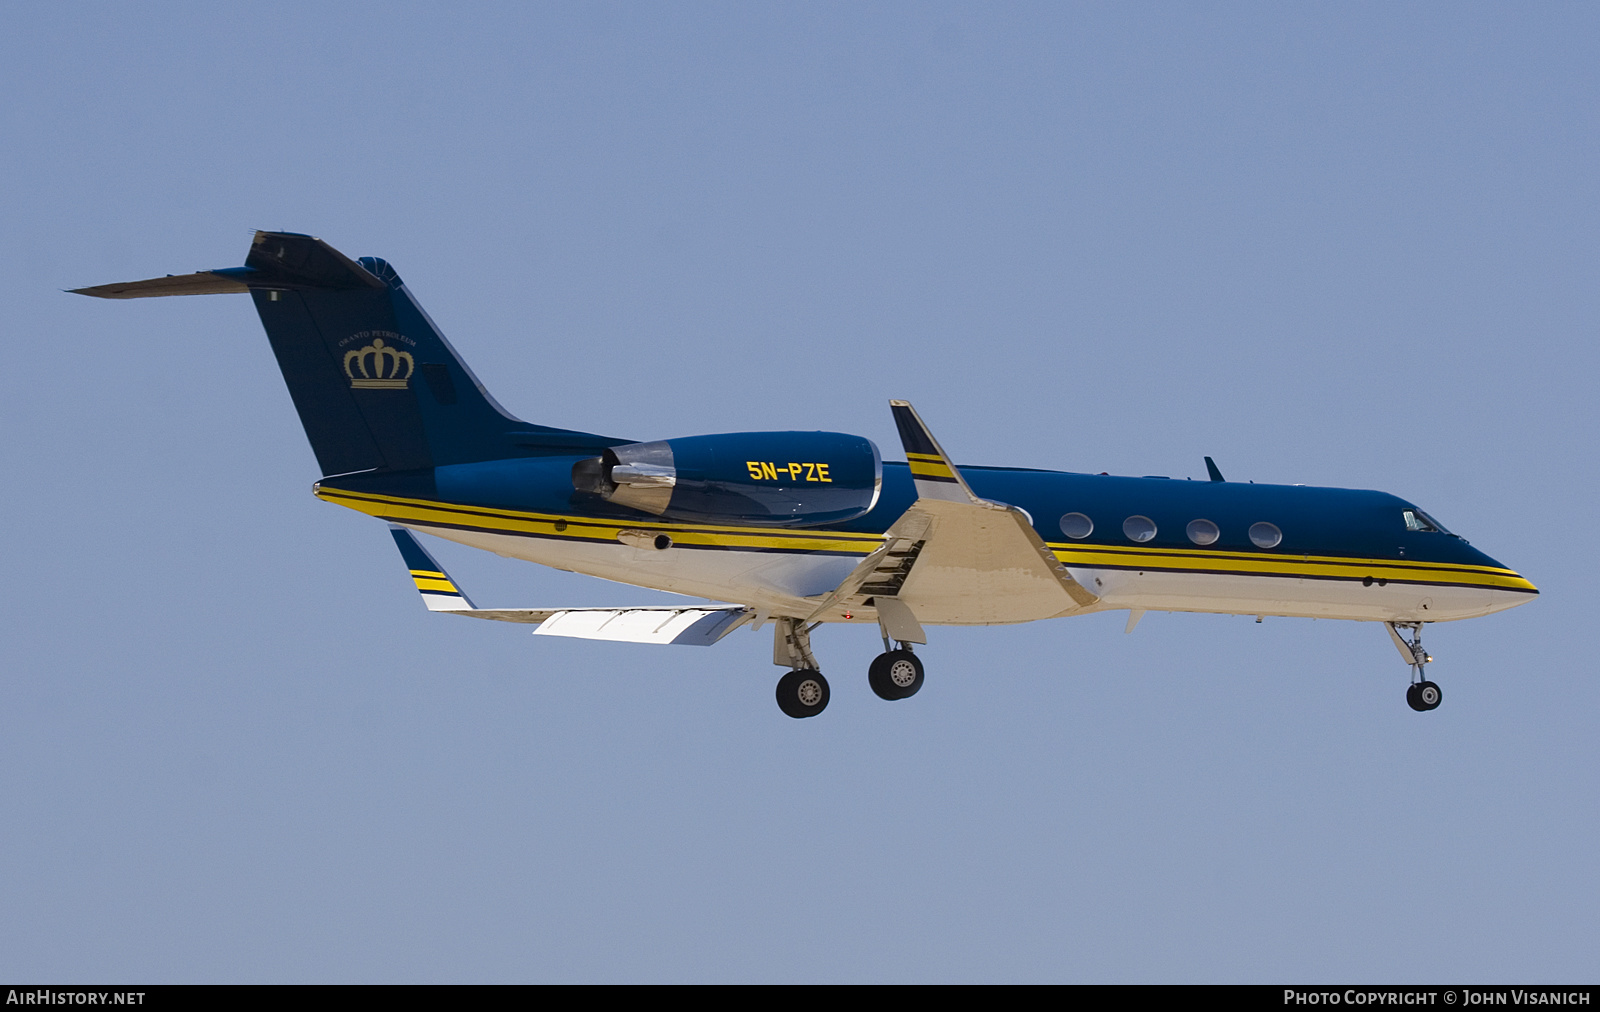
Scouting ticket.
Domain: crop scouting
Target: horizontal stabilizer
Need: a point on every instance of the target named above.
(285, 261)
(203, 283)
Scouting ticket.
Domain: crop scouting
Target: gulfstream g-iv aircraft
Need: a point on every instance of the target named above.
(797, 529)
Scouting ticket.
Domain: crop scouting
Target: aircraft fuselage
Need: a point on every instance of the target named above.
(1342, 553)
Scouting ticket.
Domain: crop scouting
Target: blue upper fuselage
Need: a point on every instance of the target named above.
(1314, 521)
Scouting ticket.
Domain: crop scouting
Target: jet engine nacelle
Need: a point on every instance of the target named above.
(782, 479)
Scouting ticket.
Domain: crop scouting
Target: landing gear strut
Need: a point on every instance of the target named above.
(803, 692)
(1422, 695)
(896, 673)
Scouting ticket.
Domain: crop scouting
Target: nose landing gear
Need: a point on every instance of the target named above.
(1422, 695)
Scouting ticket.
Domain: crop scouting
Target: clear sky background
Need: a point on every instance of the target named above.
(1347, 245)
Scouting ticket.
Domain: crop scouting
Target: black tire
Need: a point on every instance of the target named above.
(895, 675)
(1429, 696)
(1412, 700)
(803, 693)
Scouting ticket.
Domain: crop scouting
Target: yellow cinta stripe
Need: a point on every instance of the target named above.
(444, 585)
(432, 574)
(1065, 549)
(937, 470)
(593, 529)
(587, 528)
(923, 456)
(1353, 569)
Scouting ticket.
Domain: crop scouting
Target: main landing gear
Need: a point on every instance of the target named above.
(895, 674)
(803, 692)
(1422, 695)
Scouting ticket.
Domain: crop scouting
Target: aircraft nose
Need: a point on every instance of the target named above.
(1504, 578)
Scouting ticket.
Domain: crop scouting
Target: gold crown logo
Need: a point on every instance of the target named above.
(379, 367)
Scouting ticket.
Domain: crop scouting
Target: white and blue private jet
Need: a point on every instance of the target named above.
(801, 528)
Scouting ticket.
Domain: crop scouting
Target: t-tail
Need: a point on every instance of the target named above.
(378, 388)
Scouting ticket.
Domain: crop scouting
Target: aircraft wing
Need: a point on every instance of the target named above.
(955, 558)
(678, 625)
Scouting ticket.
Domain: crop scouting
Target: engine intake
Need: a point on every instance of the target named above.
(783, 479)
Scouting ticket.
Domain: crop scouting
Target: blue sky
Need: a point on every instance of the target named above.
(1348, 245)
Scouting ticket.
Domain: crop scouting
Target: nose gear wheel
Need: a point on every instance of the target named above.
(1424, 696)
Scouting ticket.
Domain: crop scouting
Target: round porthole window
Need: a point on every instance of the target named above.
(1265, 535)
(1076, 526)
(1202, 532)
(1139, 528)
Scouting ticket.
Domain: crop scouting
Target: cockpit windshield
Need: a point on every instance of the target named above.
(1416, 520)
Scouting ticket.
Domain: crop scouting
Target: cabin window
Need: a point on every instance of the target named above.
(1416, 520)
(1265, 535)
(1202, 532)
(1139, 528)
(1076, 526)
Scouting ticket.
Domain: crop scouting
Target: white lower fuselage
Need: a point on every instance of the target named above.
(790, 583)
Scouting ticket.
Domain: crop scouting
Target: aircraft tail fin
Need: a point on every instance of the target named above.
(377, 386)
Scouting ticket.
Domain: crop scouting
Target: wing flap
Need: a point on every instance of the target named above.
(664, 626)
(678, 625)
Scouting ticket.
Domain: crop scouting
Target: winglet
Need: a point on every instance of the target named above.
(933, 472)
(1213, 470)
(439, 592)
